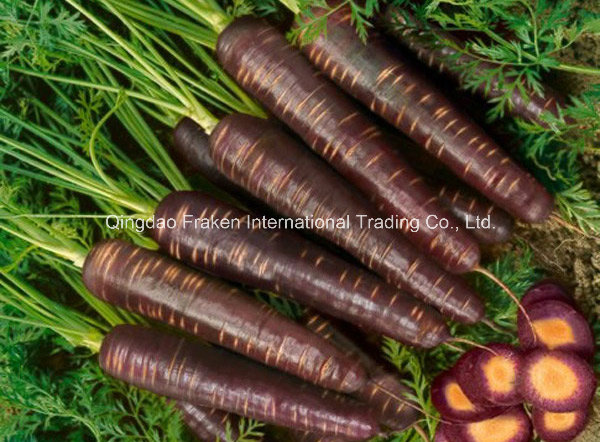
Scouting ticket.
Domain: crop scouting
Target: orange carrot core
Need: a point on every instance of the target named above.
(559, 421)
(553, 379)
(457, 399)
(554, 333)
(498, 429)
(500, 374)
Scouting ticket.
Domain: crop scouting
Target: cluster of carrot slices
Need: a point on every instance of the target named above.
(482, 398)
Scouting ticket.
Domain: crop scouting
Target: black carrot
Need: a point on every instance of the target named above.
(192, 144)
(262, 61)
(278, 170)
(206, 376)
(209, 424)
(286, 263)
(394, 411)
(440, 50)
(395, 90)
(162, 289)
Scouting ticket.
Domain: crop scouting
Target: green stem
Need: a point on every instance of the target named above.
(41, 311)
(587, 70)
(92, 145)
(166, 21)
(209, 12)
(181, 110)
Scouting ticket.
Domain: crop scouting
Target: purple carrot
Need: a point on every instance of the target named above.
(192, 144)
(305, 436)
(439, 50)
(468, 207)
(392, 88)
(162, 289)
(278, 170)
(286, 263)
(392, 410)
(464, 203)
(206, 376)
(262, 61)
(209, 424)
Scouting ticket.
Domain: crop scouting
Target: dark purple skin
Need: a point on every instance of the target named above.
(305, 436)
(546, 290)
(438, 398)
(209, 424)
(427, 44)
(282, 173)
(394, 412)
(440, 433)
(403, 96)
(468, 207)
(583, 343)
(189, 371)
(262, 61)
(192, 144)
(162, 289)
(582, 370)
(460, 433)
(284, 262)
(549, 435)
(464, 203)
(472, 380)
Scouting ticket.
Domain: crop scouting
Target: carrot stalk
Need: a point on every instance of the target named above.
(263, 62)
(393, 89)
(159, 288)
(276, 169)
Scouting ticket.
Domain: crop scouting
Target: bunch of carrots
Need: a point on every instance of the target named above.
(330, 156)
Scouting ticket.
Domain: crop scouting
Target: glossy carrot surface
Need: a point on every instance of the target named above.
(402, 95)
(165, 290)
(278, 170)
(263, 62)
(189, 371)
